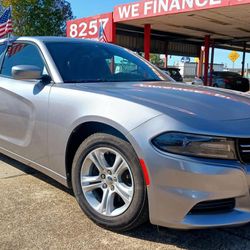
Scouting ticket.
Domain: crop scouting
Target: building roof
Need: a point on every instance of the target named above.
(226, 21)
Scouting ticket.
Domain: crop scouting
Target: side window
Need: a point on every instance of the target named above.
(21, 54)
(2, 50)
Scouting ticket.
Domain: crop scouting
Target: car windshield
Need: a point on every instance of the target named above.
(86, 61)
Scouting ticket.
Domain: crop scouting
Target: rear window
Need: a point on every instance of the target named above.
(174, 72)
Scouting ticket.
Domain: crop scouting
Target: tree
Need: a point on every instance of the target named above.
(156, 60)
(39, 17)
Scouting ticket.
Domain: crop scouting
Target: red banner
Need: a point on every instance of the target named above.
(150, 8)
(89, 27)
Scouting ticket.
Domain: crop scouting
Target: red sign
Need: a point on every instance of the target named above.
(150, 8)
(238, 2)
(89, 28)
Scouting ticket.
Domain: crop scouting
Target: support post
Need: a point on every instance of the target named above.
(243, 61)
(166, 55)
(207, 45)
(114, 32)
(147, 41)
(112, 65)
(200, 63)
(166, 60)
(211, 65)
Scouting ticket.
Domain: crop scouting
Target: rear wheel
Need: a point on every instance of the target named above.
(108, 182)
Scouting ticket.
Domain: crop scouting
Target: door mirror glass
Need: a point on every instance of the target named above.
(26, 72)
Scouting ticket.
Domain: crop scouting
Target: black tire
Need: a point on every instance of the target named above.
(137, 212)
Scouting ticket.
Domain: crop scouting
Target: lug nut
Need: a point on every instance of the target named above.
(109, 172)
(104, 185)
(112, 188)
(103, 176)
(115, 179)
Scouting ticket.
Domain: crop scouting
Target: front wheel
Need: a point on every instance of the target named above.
(108, 182)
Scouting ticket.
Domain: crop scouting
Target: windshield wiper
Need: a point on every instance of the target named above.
(85, 81)
(152, 80)
(111, 80)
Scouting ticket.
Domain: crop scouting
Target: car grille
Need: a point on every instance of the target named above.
(244, 150)
(216, 206)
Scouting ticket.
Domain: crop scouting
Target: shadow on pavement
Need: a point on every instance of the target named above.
(30, 171)
(223, 238)
(206, 239)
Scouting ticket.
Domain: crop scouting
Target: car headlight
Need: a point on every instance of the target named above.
(196, 145)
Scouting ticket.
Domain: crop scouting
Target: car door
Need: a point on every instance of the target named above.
(23, 106)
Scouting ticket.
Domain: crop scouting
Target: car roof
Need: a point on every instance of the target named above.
(225, 72)
(171, 68)
(46, 39)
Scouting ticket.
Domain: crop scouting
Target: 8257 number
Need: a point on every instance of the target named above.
(88, 28)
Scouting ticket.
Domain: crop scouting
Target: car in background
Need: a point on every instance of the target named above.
(198, 81)
(173, 73)
(229, 80)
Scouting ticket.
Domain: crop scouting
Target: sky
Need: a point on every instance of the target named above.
(85, 8)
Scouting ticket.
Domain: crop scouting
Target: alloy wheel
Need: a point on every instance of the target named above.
(107, 182)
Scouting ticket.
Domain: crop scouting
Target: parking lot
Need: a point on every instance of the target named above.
(38, 213)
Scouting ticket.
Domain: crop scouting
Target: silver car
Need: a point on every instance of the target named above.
(132, 144)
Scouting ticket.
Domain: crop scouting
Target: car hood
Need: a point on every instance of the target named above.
(179, 99)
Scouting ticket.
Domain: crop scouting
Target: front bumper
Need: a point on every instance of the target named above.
(179, 183)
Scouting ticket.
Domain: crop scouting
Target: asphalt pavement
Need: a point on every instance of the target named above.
(36, 212)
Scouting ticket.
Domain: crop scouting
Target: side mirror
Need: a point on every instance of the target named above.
(26, 72)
